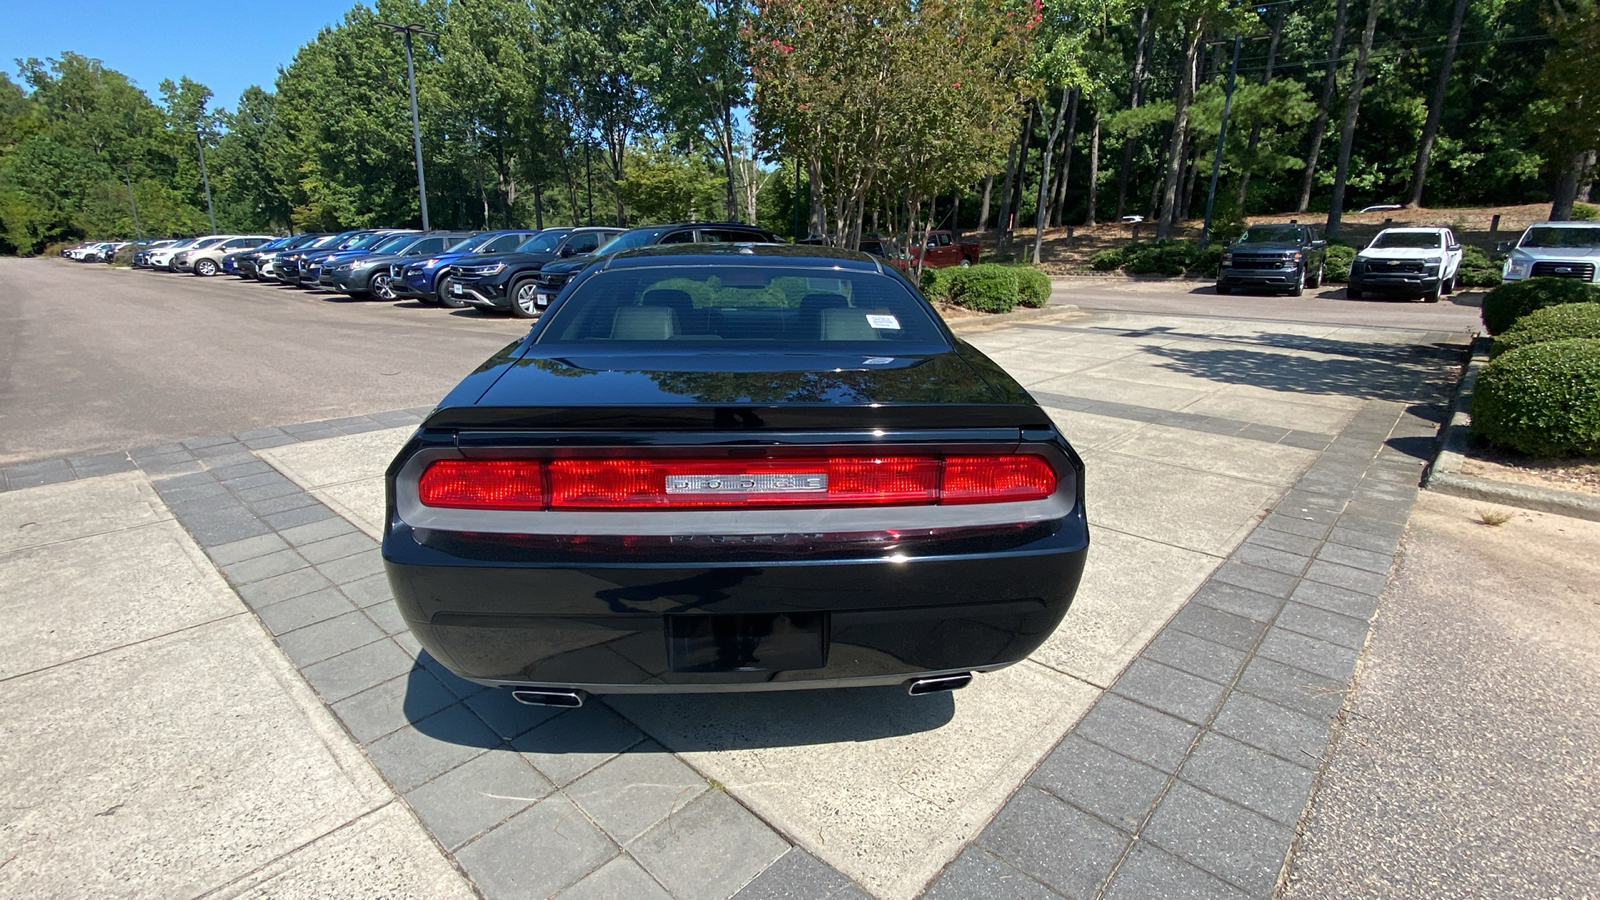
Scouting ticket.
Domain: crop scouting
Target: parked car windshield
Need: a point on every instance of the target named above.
(543, 242)
(395, 243)
(366, 242)
(629, 240)
(471, 244)
(1423, 240)
(1270, 234)
(733, 306)
(1557, 236)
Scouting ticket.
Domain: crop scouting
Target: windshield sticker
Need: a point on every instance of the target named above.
(887, 322)
(825, 285)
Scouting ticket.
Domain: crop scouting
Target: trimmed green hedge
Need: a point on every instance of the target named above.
(935, 284)
(1168, 258)
(1033, 287)
(1336, 264)
(1542, 399)
(1477, 269)
(1504, 305)
(986, 287)
(1555, 323)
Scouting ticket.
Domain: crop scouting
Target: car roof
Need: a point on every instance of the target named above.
(742, 254)
(1416, 229)
(1567, 224)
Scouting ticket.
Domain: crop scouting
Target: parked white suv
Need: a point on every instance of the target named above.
(1554, 250)
(162, 258)
(1417, 262)
(204, 259)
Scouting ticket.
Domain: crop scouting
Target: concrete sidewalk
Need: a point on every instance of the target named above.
(155, 742)
(1245, 480)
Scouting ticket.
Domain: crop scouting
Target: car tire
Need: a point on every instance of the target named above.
(965, 264)
(1224, 290)
(380, 287)
(1433, 295)
(524, 299)
(1449, 286)
(205, 268)
(445, 299)
(1299, 288)
(1317, 281)
(1354, 293)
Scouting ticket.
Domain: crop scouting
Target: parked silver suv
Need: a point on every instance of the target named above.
(1555, 250)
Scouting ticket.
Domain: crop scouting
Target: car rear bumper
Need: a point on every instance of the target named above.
(645, 627)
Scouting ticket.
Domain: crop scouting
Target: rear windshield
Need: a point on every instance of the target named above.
(1421, 240)
(734, 306)
(1556, 236)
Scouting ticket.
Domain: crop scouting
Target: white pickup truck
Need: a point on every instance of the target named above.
(1417, 262)
(1554, 250)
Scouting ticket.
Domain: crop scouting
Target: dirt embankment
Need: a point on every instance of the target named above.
(1067, 250)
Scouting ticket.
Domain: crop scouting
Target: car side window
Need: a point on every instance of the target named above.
(940, 240)
(431, 245)
(505, 244)
(581, 243)
(685, 236)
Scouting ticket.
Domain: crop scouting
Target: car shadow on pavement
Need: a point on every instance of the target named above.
(685, 722)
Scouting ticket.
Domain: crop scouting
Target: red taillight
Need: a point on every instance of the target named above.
(993, 479)
(666, 483)
(483, 484)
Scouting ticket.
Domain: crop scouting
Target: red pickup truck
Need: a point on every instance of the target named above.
(942, 250)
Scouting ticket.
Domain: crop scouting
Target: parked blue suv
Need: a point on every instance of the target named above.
(424, 281)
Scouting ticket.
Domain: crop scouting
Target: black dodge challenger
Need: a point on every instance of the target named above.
(734, 467)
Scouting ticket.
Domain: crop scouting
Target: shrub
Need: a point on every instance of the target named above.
(935, 284)
(1033, 287)
(1108, 260)
(1336, 265)
(986, 287)
(1583, 212)
(1167, 258)
(1207, 262)
(1542, 399)
(1477, 269)
(1555, 323)
(1509, 302)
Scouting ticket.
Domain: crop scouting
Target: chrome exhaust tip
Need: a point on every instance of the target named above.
(937, 684)
(548, 697)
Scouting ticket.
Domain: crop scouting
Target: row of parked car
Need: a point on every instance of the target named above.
(515, 270)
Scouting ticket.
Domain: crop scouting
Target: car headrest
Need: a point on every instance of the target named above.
(668, 297)
(847, 325)
(643, 323)
(822, 300)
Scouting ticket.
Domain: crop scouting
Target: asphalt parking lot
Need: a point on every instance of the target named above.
(203, 519)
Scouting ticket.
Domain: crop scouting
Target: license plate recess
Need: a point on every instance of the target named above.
(756, 642)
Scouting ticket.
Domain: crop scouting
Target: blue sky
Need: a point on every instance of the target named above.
(224, 45)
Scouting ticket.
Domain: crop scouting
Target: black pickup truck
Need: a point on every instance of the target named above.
(1284, 258)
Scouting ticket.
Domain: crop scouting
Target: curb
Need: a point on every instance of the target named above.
(996, 320)
(1444, 474)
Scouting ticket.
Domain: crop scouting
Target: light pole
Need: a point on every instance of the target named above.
(406, 31)
(204, 179)
(1222, 135)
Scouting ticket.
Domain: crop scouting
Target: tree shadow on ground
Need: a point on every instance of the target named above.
(1340, 368)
